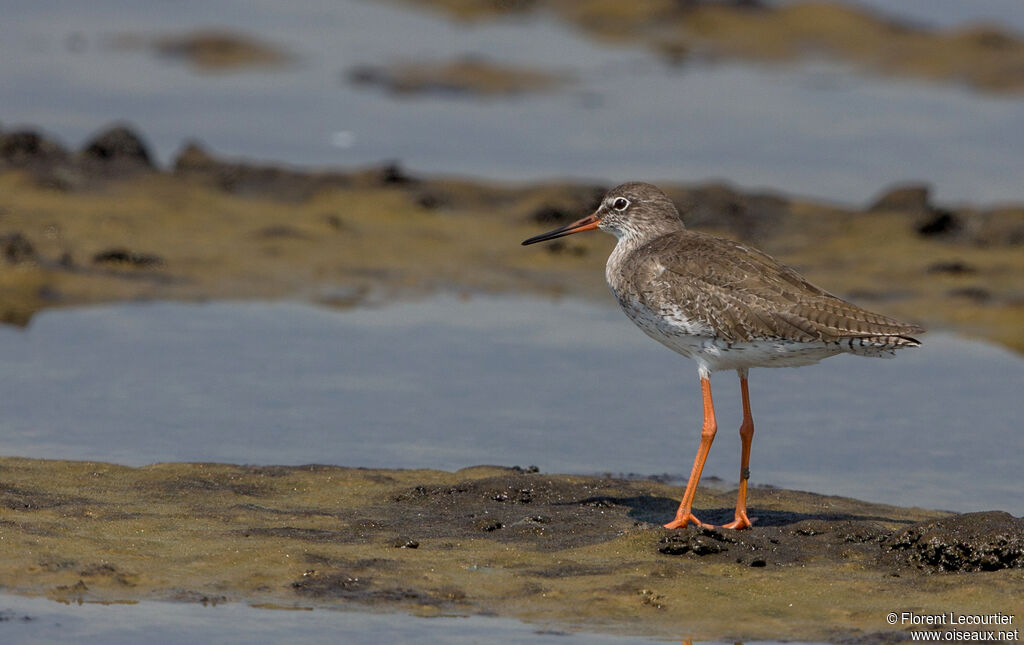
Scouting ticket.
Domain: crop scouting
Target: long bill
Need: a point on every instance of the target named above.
(588, 223)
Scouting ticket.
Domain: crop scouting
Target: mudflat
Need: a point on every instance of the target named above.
(578, 551)
(105, 224)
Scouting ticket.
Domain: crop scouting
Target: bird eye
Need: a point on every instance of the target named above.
(620, 204)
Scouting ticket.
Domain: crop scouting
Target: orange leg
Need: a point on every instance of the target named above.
(707, 435)
(741, 520)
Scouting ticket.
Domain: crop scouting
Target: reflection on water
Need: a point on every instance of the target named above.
(567, 386)
(811, 129)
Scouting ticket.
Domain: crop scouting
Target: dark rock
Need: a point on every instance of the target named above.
(16, 249)
(521, 496)
(488, 525)
(939, 222)
(698, 542)
(25, 147)
(118, 145)
(986, 541)
(393, 173)
(127, 257)
(405, 543)
(904, 198)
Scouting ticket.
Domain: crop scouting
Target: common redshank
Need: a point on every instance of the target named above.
(727, 306)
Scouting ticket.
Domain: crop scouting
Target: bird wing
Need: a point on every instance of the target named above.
(744, 294)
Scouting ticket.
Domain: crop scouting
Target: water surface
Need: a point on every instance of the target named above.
(448, 383)
(37, 620)
(822, 130)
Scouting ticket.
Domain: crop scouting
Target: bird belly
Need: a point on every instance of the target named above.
(672, 329)
(766, 353)
(696, 340)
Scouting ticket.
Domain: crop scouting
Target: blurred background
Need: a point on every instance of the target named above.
(835, 101)
(284, 233)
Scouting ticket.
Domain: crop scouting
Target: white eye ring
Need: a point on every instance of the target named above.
(620, 203)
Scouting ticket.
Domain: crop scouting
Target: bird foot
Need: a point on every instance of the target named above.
(682, 519)
(741, 522)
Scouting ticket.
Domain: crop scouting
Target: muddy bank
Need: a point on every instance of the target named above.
(209, 50)
(575, 550)
(104, 223)
(983, 56)
(466, 76)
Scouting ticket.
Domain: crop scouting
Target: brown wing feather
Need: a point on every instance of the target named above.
(744, 294)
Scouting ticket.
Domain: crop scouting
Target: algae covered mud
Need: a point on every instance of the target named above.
(574, 550)
(105, 224)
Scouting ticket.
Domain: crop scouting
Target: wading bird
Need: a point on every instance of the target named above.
(725, 305)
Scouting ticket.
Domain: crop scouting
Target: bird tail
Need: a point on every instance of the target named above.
(879, 346)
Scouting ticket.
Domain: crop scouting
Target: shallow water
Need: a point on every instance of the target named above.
(37, 620)
(447, 383)
(819, 130)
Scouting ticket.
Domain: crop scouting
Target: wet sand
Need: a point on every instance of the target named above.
(583, 552)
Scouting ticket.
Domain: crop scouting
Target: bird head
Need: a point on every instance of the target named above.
(633, 209)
